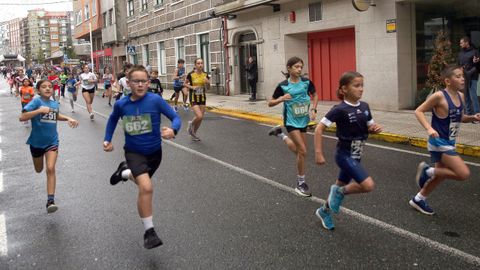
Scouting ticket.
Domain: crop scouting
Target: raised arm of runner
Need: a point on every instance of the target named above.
(171, 115)
(112, 123)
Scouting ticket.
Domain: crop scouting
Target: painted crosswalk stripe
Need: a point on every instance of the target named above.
(3, 236)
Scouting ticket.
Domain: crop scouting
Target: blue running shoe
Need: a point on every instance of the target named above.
(422, 178)
(421, 206)
(324, 214)
(335, 198)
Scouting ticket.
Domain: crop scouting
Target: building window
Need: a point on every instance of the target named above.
(54, 37)
(87, 12)
(105, 22)
(78, 17)
(130, 8)
(110, 17)
(144, 5)
(162, 58)
(158, 2)
(145, 55)
(53, 29)
(53, 21)
(180, 49)
(94, 8)
(205, 50)
(315, 11)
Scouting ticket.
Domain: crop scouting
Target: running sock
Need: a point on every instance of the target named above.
(282, 136)
(420, 197)
(342, 190)
(126, 174)
(301, 179)
(147, 222)
(430, 171)
(51, 197)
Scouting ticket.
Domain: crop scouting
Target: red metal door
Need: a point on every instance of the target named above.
(330, 54)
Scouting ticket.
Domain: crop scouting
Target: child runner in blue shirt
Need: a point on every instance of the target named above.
(72, 90)
(140, 112)
(447, 114)
(295, 93)
(43, 139)
(354, 122)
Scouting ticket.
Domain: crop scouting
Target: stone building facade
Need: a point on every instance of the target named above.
(161, 32)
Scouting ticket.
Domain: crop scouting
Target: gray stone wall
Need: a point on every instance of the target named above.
(187, 19)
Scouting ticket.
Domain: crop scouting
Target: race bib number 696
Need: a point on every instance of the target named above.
(300, 110)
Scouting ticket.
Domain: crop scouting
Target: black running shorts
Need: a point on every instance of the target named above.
(39, 152)
(90, 91)
(290, 129)
(140, 164)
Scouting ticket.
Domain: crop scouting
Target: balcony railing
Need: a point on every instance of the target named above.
(109, 34)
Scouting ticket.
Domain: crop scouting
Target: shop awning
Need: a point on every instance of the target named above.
(234, 6)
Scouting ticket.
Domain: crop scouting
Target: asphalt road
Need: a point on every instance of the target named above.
(226, 202)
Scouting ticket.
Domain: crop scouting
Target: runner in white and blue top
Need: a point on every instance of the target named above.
(295, 93)
(354, 122)
(446, 107)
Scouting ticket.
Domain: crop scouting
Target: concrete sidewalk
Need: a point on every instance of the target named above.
(398, 127)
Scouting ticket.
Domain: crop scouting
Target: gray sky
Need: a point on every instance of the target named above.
(11, 9)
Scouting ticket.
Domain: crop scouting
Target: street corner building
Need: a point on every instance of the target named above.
(390, 42)
(161, 32)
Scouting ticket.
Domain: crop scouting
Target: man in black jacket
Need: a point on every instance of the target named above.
(252, 77)
(469, 60)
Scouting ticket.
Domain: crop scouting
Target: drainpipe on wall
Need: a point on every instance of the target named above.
(226, 60)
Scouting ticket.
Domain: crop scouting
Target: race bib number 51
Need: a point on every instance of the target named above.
(137, 124)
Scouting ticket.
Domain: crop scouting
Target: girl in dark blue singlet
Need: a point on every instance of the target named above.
(354, 122)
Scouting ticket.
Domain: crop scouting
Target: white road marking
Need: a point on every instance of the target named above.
(3, 236)
(232, 118)
(447, 250)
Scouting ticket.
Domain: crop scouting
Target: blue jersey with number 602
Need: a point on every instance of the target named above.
(44, 126)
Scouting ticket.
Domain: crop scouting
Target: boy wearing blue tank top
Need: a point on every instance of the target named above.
(447, 114)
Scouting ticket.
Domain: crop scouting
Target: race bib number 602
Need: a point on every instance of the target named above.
(137, 124)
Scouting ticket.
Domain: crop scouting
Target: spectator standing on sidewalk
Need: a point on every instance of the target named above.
(252, 77)
(469, 60)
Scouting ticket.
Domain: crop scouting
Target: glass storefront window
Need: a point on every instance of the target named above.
(457, 17)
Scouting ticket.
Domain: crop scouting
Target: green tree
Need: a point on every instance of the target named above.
(70, 50)
(442, 56)
(40, 57)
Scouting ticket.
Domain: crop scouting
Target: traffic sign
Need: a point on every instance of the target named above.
(131, 50)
